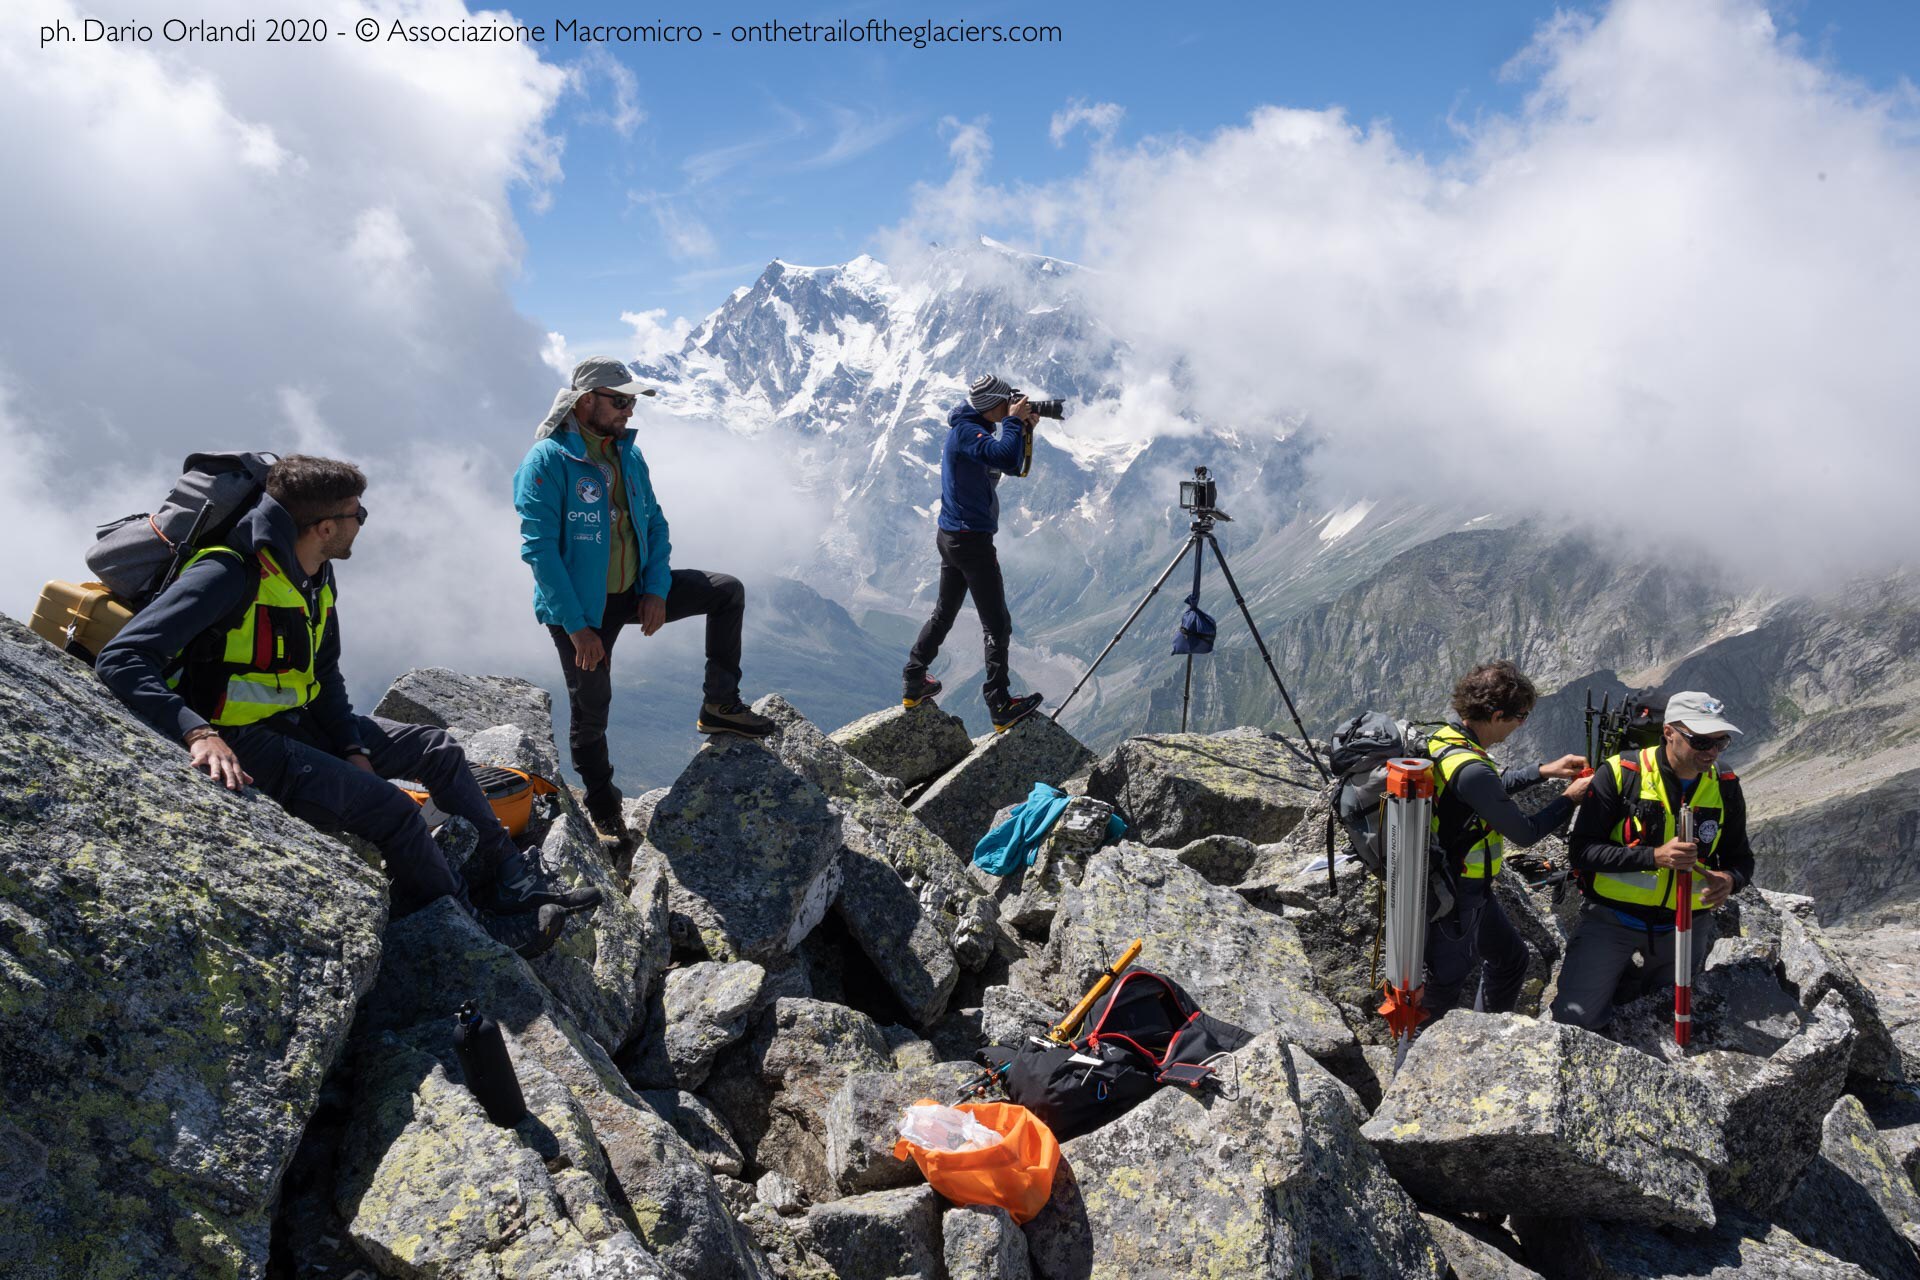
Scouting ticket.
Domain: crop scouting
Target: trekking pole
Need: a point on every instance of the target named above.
(1683, 940)
(1063, 1033)
(1409, 808)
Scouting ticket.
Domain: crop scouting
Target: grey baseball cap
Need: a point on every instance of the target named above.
(1700, 712)
(604, 373)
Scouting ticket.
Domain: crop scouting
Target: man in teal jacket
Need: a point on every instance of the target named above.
(597, 541)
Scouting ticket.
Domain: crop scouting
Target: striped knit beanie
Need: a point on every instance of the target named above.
(988, 391)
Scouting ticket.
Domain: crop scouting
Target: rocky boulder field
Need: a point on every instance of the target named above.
(220, 1058)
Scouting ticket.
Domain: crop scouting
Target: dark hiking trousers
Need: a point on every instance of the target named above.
(289, 762)
(590, 693)
(1476, 929)
(968, 566)
(1599, 975)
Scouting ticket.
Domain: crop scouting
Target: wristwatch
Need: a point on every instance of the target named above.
(202, 731)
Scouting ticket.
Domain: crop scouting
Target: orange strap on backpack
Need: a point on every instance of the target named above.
(1015, 1174)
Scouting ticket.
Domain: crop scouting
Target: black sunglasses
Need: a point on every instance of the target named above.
(620, 399)
(1705, 741)
(358, 514)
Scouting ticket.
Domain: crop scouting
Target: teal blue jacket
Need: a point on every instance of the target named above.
(566, 523)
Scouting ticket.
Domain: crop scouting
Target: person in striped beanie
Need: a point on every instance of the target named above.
(986, 437)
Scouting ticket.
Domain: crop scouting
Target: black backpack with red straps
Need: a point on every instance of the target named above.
(1144, 1032)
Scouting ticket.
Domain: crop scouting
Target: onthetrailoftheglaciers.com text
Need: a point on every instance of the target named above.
(295, 30)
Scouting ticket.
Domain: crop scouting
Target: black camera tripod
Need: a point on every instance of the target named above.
(1199, 533)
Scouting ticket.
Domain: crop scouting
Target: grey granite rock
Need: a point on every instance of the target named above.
(773, 1089)
(466, 705)
(1776, 1106)
(1008, 1016)
(913, 744)
(700, 1126)
(610, 958)
(511, 747)
(421, 1156)
(1815, 966)
(1177, 787)
(863, 1121)
(1222, 859)
(1477, 1251)
(178, 969)
(1738, 1248)
(1498, 1112)
(780, 1193)
(1855, 1201)
(1274, 1180)
(705, 1008)
(881, 1235)
(981, 1242)
(1000, 770)
(1239, 963)
(752, 848)
(907, 899)
(437, 958)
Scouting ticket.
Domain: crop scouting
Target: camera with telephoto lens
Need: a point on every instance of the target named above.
(1055, 409)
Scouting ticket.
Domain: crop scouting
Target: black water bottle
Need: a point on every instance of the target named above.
(483, 1061)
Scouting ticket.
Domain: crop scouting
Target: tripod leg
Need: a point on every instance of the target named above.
(1192, 544)
(1186, 693)
(1311, 756)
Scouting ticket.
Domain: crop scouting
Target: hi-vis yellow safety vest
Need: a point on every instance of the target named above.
(1654, 888)
(1451, 751)
(264, 665)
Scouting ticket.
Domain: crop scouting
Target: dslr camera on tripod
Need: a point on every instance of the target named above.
(1200, 497)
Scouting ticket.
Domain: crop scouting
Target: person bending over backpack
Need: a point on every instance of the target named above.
(984, 439)
(1474, 818)
(239, 660)
(1625, 848)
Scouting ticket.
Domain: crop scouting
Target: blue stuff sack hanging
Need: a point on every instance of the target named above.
(1196, 630)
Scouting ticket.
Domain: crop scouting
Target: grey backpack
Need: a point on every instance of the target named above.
(1361, 748)
(135, 556)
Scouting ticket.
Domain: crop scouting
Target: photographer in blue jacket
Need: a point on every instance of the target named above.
(596, 539)
(986, 437)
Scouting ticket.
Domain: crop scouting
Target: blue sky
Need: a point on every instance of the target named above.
(743, 153)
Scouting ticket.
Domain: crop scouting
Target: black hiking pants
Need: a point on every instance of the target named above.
(293, 764)
(968, 566)
(590, 693)
(1477, 929)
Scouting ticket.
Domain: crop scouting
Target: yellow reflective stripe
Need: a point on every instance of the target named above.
(1455, 751)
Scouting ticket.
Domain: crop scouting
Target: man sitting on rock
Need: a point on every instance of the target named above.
(239, 660)
(1474, 819)
(1625, 849)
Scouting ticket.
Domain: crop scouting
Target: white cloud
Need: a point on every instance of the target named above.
(652, 336)
(214, 248)
(556, 356)
(624, 115)
(1098, 118)
(1673, 294)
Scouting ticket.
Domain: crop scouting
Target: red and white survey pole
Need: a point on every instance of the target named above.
(1683, 939)
(1405, 822)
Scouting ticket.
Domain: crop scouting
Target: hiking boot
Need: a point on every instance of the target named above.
(918, 691)
(528, 935)
(604, 811)
(733, 717)
(522, 885)
(1009, 714)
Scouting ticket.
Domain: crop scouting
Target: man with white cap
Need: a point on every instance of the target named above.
(985, 438)
(596, 539)
(1625, 848)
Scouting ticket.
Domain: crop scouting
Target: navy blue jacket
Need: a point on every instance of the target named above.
(134, 663)
(970, 465)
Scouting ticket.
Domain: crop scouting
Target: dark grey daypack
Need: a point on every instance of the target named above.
(135, 556)
(1361, 748)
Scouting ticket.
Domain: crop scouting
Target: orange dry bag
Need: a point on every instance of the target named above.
(1016, 1174)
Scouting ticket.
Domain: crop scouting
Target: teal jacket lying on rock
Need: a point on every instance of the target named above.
(1015, 843)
